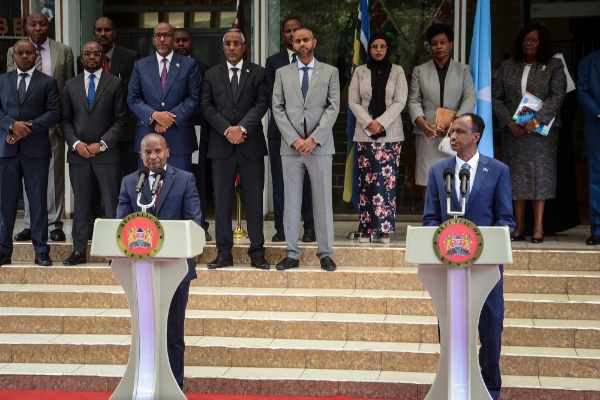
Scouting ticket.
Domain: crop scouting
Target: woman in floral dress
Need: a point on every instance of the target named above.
(377, 95)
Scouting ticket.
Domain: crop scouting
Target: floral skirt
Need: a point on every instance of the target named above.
(377, 172)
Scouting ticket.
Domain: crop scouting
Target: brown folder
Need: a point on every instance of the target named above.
(444, 116)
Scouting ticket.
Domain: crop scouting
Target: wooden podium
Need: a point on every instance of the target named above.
(149, 285)
(458, 295)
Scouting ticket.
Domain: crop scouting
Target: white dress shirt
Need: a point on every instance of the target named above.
(86, 79)
(291, 55)
(160, 63)
(311, 67)
(27, 78)
(46, 57)
(152, 178)
(472, 169)
(238, 66)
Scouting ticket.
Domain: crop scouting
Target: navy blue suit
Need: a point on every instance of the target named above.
(588, 86)
(275, 62)
(28, 159)
(181, 97)
(489, 204)
(178, 201)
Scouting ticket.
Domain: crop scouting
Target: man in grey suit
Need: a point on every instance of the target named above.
(93, 120)
(306, 103)
(56, 60)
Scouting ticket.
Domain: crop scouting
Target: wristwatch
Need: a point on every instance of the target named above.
(103, 146)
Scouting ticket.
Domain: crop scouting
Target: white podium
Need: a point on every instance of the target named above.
(458, 295)
(149, 285)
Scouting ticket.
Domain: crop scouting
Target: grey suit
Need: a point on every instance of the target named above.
(319, 112)
(104, 121)
(62, 70)
(424, 100)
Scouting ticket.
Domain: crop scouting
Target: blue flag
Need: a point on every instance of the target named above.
(481, 70)
(361, 53)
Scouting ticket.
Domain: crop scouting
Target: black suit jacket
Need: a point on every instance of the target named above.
(275, 62)
(106, 120)
(221, 110)
(121, 66)
(198, 117)
(41, 107)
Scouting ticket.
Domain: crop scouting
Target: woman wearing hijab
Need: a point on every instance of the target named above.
(439, 83)
(377, 95)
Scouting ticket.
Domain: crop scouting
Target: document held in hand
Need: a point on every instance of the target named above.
(528, 107)
(443, 117)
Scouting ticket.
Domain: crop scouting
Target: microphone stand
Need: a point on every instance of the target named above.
(456, 214)
(146, 206)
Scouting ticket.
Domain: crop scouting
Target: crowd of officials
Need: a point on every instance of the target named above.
(216, 113)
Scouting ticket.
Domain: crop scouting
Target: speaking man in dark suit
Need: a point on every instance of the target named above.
(234, 100)
(489, 203)
(184, 46)
(117, 61)
(94, 116)
(276, 61)
(56, 60)
(29, 107)
(306, 103)
(164, 93)
(177, 200)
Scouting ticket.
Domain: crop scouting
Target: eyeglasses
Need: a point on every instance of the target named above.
(530, 41)
(162, 35)
(379, 46)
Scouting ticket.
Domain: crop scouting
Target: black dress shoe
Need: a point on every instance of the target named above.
(309, 236)
(519, 238)
(260, 263)
(327, 264)
(287, 263)
(207, 236)
(43, 259)
(75, 258)
(537, 240)
(24, 235)
(57, 235)
(278, 237)
(593, 240)
(220, 262)
(5, 259)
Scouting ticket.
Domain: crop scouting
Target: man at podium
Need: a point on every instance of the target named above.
(177, 199)
(489, 203)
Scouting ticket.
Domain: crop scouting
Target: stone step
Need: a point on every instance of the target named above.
(348, 253)
(347, 277)
(287, 382)
(289, 353)
(295, 325)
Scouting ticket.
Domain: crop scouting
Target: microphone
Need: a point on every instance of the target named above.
(464, 175)
(158, 176)
(448, 176)
(143, 173)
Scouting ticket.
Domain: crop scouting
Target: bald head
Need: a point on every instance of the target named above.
(38, 27)
(154, 151)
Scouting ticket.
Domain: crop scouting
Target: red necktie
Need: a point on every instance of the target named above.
(157, 192)
(106, 66)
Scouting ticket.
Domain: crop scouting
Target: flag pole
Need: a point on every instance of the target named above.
(239, 232)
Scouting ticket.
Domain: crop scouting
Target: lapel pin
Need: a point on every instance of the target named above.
(247, 70)
(543, 67)
(177, 65)
(485, 169)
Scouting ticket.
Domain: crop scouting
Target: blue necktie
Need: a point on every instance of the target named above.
(234, 82)
(294, 59)
(305, 82)
(468, 168)
(91, 91)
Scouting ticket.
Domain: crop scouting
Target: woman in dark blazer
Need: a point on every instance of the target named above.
(530, 156)
(439, 83)
(377, 95)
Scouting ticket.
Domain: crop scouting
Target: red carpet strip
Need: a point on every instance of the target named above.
(55, 395)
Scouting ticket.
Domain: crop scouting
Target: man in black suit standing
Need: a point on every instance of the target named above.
(184, 45)
(117, 61)
(29, 107)
(234, 100)
(93, 120)
(276, 61)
